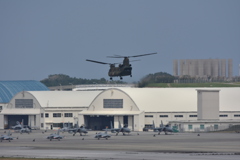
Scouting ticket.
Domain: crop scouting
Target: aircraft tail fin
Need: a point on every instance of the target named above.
(153, 126)
(58, 132)
(106, 130)
(22, 123)
(119, 124)
(161, 125)
(111, 125)
(9, 133)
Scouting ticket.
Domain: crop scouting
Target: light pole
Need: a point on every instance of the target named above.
(71, 85)
(60, 86)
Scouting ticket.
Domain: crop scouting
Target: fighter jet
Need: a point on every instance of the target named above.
(163, 128)
(18, 126)
(65, 128)
(103, 135)
(55, 136)
(78, 129)
(7, 137)
(21, 128)
(123, 129)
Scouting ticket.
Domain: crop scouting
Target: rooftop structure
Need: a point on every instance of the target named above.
(10, 88)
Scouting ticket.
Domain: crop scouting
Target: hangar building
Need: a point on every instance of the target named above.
(136, 107)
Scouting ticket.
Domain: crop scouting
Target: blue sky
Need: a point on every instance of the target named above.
(39, 38)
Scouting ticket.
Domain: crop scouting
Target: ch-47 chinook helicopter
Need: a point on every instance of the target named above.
(124, 69)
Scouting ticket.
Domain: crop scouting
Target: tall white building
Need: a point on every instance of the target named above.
(203, 68)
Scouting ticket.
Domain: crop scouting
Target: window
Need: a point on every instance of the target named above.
(68, 115)
(215, 126)
(113, 103)
(41, 115)
(192, 115)
(148, 115)
(178, 116)
(223, 115)
(23, 103)
(189, 126)
(57, 125)
(236, 115)
(56, 114)
(1, 107)
(42, 125)
(46, 115)
(163, 116)
(149, 126)
(201, 126)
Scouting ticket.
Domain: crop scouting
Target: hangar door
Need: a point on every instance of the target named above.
(98, 122)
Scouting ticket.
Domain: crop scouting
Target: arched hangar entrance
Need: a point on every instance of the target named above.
(112, 105)
(12, 120)
(96, 122)
(99, 122)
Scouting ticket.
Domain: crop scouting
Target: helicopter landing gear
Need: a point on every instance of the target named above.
(110, 78)
(130, 75)
(121, 78)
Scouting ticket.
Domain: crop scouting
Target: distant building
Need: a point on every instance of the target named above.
(203, 68)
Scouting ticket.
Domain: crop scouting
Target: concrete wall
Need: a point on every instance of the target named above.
(208, 104)
(1, 121)
(203, 126)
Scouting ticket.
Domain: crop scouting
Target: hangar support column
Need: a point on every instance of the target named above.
(1, 121)
(139, 122)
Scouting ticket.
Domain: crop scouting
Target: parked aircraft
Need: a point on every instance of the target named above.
(55, 136)
(65, 128)
(18, 126)
(21, 128)
(78, 129)
(163, 128)
(7, 137)
(123, 129)
(103, 135)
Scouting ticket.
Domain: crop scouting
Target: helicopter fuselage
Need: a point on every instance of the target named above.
(120, 71)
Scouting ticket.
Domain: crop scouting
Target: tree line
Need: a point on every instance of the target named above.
(57, 79)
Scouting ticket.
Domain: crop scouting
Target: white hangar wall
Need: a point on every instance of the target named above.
(25, 104)
(115, 102)
(47, 109)
(140, 106)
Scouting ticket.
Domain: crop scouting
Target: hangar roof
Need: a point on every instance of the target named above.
(8, 89)
(64, 98)
(180, 99)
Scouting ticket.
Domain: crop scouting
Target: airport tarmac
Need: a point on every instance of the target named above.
(136, 145)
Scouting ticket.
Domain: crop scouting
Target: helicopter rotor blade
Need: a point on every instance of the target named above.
(115, 56)
(144, 54)
(135, 60)
(96, 61)
(118, 56)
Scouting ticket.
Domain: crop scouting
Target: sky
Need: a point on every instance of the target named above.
(43, 37)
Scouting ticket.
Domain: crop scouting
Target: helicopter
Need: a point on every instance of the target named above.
(123, 69)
